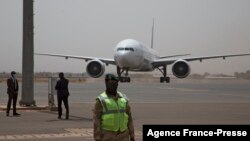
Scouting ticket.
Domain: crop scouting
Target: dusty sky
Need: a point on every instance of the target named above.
(94, 27)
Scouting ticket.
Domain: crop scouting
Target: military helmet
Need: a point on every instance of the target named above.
(110, 76)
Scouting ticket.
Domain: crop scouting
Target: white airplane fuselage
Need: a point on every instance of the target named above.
(134, 56)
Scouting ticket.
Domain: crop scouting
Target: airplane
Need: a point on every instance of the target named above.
(132, 55)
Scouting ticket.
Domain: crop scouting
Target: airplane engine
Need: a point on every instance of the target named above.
(95, 68)
(181, 68)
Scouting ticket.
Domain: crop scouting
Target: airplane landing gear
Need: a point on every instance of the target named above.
(162, 79)
(123, 79)
(163, 70)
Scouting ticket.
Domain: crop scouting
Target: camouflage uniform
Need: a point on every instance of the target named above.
(103, 135)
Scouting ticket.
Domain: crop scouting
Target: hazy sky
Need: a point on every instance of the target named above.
(94, 27)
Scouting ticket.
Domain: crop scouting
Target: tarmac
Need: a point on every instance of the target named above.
(41, 123)
(176, 104)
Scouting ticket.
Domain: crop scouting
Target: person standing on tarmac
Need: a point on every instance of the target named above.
(12, 92)
(62, 95)
(112, 114)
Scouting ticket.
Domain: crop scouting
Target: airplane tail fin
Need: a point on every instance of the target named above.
(152, 35)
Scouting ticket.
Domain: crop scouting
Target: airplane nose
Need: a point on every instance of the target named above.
(124, 59)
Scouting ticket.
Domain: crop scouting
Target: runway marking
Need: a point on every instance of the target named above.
(71, 132)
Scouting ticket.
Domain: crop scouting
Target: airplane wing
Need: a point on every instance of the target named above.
(104, 60)
(161, 62)
(161, 57)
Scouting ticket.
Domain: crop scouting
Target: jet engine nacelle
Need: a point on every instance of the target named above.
(181, 68)
(95, 68)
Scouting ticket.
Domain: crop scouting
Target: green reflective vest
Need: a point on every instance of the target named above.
(114, 116)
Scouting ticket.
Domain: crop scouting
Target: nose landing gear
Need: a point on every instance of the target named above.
(123, 79)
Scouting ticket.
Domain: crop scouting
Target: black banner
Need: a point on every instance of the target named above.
(164, 132)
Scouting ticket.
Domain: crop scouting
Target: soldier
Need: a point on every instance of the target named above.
(112, 115)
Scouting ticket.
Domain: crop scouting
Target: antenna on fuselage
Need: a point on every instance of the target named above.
(152, 35)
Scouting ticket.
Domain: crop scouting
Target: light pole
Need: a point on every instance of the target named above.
(27, 98)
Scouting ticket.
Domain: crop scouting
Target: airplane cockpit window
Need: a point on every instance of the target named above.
(126, 49)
